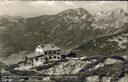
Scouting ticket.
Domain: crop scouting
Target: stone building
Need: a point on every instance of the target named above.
(49, 51)
(43, 53)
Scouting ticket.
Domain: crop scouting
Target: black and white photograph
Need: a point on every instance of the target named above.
(63, 41)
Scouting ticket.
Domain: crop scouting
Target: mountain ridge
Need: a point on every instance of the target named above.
(67, 29)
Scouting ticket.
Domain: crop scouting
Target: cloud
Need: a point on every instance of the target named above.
(42, 3)
(69, 2)
(36, 8)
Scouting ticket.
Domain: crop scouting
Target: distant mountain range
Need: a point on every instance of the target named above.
(116, 44)
(110, 22)
(69, 29)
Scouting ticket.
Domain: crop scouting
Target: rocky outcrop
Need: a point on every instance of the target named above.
(90, 69)
(68, 67)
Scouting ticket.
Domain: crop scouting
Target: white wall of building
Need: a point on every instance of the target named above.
(39, 50)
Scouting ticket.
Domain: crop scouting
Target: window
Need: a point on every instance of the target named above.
(50, 57)
(36, 59)
(58, 53)
(54, 52)
(41, 52)
(50, 53)
(58, 57)
(45, 52)
(54, 57)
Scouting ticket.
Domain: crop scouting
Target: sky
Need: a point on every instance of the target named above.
(38, 8)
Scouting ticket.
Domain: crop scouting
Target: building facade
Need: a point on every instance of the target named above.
(43, 53)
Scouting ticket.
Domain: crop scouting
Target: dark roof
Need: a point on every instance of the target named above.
(21, 62)
(38, 56)
(71, 54)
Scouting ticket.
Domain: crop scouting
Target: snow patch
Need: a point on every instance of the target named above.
(111, 61)
(23, 68)
(93, 79)
(46, 79)
(99, 65)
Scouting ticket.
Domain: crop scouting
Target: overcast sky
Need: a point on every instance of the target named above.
(36, 8)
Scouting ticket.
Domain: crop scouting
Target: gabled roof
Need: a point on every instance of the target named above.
(32, 55)
(49, 47)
